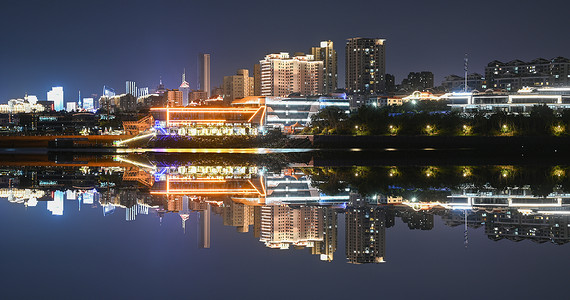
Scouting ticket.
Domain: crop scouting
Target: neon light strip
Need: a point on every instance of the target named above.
(198, 121)
(136, 138)
(135, 163)
(202, 192)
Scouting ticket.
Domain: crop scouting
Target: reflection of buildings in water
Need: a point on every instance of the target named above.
(238, 215)
(204, 227)
(365, 234)
(516, 226)
(292, 186)
(303, 226)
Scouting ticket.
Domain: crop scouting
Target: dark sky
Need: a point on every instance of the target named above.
(86, 44)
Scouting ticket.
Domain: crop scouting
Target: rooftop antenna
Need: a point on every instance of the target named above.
(466, 68)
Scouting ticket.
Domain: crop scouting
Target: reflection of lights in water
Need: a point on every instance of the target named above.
(216, 150)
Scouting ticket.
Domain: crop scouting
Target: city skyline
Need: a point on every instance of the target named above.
(82, 62)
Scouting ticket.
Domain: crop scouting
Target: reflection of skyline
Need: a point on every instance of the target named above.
(270, 205)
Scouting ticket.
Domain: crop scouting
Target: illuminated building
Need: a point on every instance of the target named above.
(108, 92)
(521, 101)
(196, 96)
(516, 226)
(329, 228)
(123, 103)
(71, 106)
(456, 83)
(282, 75)
(15, 106)
(282, 112)
(131, 88)
(204, 73)
(202, 120)
(141, 92)
(283, 226)
(365, 235)
(256, 80)
(517, 74)
(213, 181)
(365, 66)
(174, 98)
(160, 88)
(327, 55)
(418, 81)
(238, 215)
(88, 104)
(204, 227)
(184, 89)
(56, 96)
(56, 205)
(238, 86)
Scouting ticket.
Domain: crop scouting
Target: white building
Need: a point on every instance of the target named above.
(131, 88)
(71, 106)
(286, 111)
(88, 104)
(282, 75)
(522, 101)
(56, 96)
(238, 86)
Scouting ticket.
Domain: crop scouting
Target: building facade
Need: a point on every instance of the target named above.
(204, 73)
(327, 55)
(418, 81)
(454, 83)
(517, 74)
(238, 86)
(56, 96)
(131, 88)
(365, 66)
(282, 75)
(185, 89)
(174, 98)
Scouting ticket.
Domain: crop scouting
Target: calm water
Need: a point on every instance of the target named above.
(212, 228)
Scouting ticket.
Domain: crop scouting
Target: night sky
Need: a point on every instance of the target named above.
(86, 44)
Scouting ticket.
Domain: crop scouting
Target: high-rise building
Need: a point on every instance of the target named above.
(329, 227)
(185, 89)
(131, 88)
(197, 96)
(160, 88)
(204, 228)
(257, 80)
(108, 92)
(327, 55)
(204, 73)
(88, 104)
(238, 86)
(238, 215)
(141, 92)
(282, 226)
(282, 75)
(365, 235)
(365, 66)
(56, 96)
(173, 98)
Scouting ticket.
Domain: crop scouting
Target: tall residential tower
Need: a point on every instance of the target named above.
(365, 66)
(327, 55)
(282, 75)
